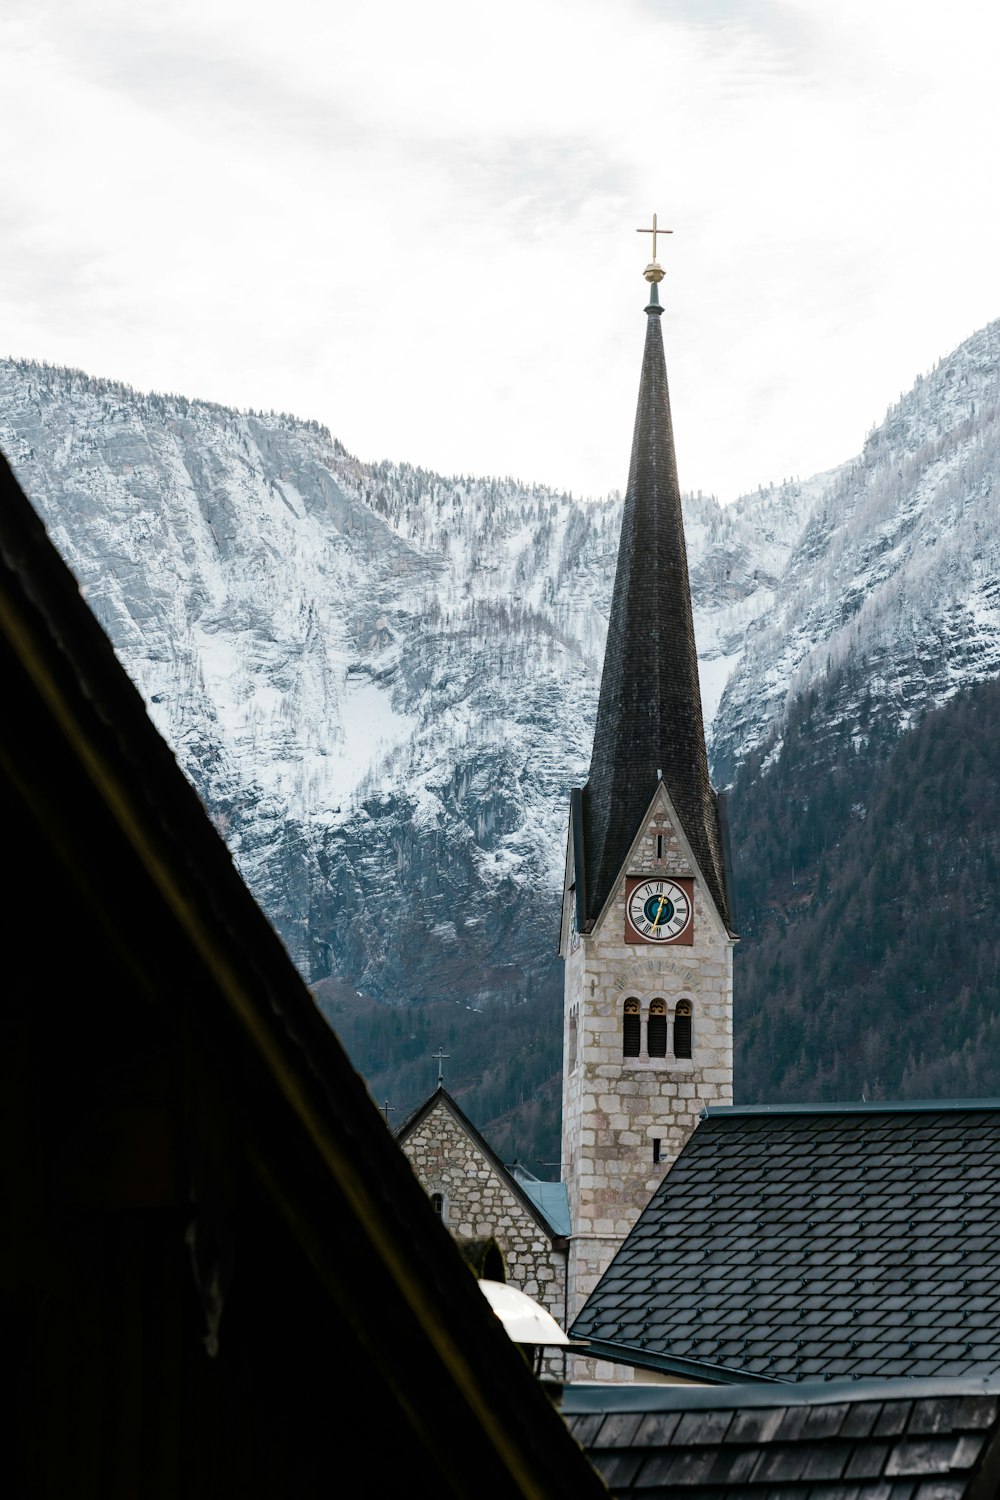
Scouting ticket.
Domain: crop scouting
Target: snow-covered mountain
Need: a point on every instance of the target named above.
(896, 574)
(381, 681)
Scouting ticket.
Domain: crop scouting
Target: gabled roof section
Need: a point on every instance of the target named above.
(550, 1198)
(649, 715)
(816, 1244)
(254, 1097)
(547, 1209)
(830, 1441)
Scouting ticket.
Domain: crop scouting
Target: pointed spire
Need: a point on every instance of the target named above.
(649, 722)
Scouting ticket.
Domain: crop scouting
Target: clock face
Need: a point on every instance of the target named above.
(659, 911)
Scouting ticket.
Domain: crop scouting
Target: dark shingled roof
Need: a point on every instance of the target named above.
(185, 1139)
(816, 1242)
(649, 714)
(881, 1440)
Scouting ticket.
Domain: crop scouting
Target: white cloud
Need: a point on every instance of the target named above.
(417, 223)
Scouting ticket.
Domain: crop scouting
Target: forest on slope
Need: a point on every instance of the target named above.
(382, 682)
(867, 880)
(502, 1063)
(868, 877)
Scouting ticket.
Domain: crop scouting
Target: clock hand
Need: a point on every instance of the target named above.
(659, 914)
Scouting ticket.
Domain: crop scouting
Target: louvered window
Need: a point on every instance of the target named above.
(631, 1029)
(572, 1041)
(656, 1029)
(682, 1029)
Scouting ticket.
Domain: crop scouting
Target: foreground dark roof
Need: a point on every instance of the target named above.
(188, 1142)
(816, 1243)
(649, 714)
(865, 1440)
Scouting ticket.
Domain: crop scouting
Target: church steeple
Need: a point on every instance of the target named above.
(647, 923)
(649, 720)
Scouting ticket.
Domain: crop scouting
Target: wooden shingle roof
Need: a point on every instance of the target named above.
(865, 1440)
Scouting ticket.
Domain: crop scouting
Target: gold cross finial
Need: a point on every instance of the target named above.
(654, 271)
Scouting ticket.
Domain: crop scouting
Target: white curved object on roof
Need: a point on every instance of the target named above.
(525, 1320)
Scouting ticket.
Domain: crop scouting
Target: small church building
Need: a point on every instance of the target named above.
(480, 1200)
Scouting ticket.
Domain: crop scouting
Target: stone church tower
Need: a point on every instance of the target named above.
(647, 931)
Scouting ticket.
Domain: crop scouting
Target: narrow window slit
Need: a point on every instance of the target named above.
(656, 1029)
(631, 1029)
(682, 1029)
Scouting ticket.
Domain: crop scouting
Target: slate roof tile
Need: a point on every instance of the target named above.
(781, 1278)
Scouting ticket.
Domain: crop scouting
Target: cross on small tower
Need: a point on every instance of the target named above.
(386, 1108)
(654, 232)
(439, 1057)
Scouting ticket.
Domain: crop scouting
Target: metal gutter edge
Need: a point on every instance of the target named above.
(857, 1107)
(644, 1360)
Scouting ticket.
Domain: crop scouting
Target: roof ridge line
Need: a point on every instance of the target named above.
(859, 1106)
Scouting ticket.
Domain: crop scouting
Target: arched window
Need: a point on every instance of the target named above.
(656, 1029)
(682, 1029)
(437, 1201)
(572, 1040)
(631, 1029)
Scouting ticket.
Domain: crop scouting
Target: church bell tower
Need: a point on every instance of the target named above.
(647, 929)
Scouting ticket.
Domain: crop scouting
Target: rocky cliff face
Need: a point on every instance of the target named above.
(896, 571)
(381, 681)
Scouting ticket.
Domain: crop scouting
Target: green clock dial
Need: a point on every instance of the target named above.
(658, 910)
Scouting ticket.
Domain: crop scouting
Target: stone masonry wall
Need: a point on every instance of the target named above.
(615, 1107)
(478, 1202)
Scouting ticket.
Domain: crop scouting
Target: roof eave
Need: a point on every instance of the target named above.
(670, 1364)
(856, 1107)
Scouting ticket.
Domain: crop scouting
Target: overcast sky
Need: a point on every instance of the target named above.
(416, 222)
